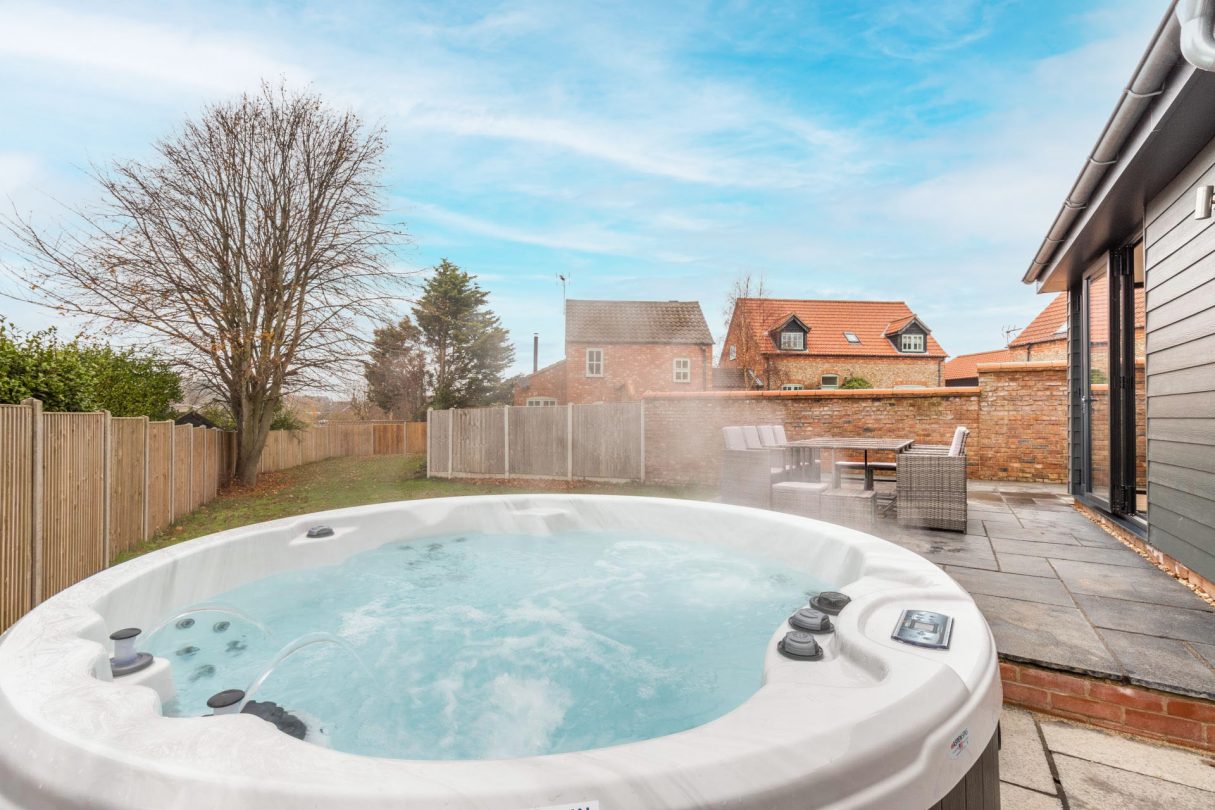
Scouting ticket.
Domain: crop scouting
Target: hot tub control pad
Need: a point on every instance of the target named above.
(923, 628)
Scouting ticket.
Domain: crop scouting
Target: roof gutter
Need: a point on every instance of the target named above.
(1146, 83)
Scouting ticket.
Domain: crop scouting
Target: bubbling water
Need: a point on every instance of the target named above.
(483, 646)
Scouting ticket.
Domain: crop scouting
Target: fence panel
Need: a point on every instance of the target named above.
(214, 469)
(538, 441)
(479, 441)
(388, 439)
(16, 512)
(198, 467)
(160, 476)
(128, 445)
(74, 498)
(183, 470)
(607, 440)
(415, 437)
(438, 443)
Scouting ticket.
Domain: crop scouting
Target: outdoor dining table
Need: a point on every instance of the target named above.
(863, 444)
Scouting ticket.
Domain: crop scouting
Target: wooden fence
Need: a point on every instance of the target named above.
(601, 441)
(77, 490)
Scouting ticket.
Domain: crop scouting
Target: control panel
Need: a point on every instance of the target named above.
(924, 628)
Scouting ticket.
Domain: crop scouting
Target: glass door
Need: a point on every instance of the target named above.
(1114, 414)
(1096, 293)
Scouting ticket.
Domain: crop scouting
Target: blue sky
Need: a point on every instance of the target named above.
(883, 150)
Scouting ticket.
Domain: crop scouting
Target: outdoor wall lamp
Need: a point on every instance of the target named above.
(1202, 202)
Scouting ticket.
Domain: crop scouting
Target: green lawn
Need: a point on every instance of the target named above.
(341, 482)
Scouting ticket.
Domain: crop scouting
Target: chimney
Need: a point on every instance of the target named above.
(535, 352)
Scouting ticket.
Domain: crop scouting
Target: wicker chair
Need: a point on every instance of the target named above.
(931, 490)
(747, 473)
(957, 448)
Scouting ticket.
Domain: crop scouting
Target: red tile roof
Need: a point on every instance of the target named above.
(1046, 325)
(965, 366)
(1050, 323)
(870, 321)
(635, 322)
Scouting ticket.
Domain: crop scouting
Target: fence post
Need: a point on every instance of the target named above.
(172, 471)
(642, 411)
(190, 466)
(506, 441)
(35, 407)
(569, 442)
(107, 456)
(451, 438)
(429, 433)
(147, 447)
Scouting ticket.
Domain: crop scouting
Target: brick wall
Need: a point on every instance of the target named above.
(1023, 422)
(630, 370)
(547, 382)
(881, 372)
(1122, 707)
(1017, 417)
(683, 431)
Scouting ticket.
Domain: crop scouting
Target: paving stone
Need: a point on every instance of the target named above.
(963, 550)
(1008, 532)
(1062, 551)
(1136, 584)
(1045, 590)
(1021, 564)
(1022, 757)
(1107, 748)
(1050, 634)
(1161, 663)
(1092, 786)
(1013, 797)
(1151, 620)
(1205, 651)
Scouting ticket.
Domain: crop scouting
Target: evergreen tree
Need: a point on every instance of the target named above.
(396, 370)
(467, 348)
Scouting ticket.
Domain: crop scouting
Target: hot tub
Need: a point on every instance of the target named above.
(871, 721)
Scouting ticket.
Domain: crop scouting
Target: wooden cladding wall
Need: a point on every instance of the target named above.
(16, 511)
(600, 441)
(79, 490)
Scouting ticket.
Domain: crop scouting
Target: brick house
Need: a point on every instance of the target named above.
(1043, 340)
(963, 370)
(793, 344)
(618, 350)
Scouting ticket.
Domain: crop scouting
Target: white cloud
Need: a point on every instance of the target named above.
(132, 51)
(16, 171)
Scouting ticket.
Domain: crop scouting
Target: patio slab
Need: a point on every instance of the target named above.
(1161, 662)
(1049, 763)
(1060, 592)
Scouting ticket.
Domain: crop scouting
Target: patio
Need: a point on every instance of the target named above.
(1061, 593)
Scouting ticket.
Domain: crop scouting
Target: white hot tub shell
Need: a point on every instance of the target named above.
(875, 724)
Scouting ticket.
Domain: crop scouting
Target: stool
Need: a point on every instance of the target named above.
(797, 497)
(849, 507)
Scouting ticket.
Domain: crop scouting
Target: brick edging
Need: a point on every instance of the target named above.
(1203, 587)
(1134, 710)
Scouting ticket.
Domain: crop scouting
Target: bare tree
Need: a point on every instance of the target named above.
(250, 249)
(749, 352)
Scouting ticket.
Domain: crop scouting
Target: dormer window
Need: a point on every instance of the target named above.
(851, 337)
(793, 340)
(910, 342)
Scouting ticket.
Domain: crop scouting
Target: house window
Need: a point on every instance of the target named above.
(733, 352)
(683, 370)
(829, 381)
(794, 340)
(540, 401)
(911, 343)
(594, 362)
(851, 337)
(791, 387)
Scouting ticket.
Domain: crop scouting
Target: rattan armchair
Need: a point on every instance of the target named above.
(931, 491)
(747, 473)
